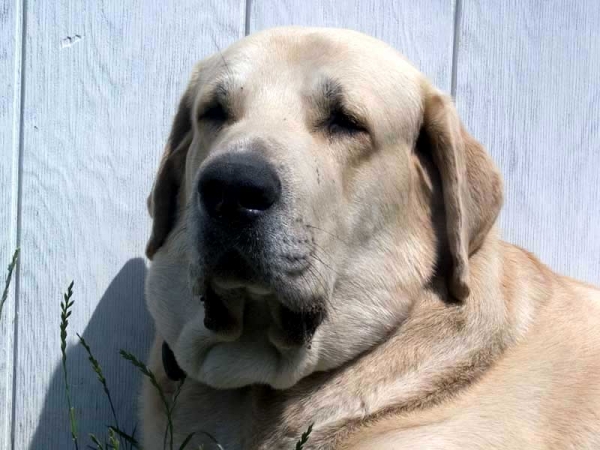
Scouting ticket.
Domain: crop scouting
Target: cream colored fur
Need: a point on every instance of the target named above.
(438, 335)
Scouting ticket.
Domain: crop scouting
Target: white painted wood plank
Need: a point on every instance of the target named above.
(422, 30)
(527, 87)
(10, 90)
(102, 83)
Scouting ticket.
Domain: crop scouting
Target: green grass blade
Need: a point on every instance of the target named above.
(98, 370)
(128, 438)
(65, 306)
(113, 442)
(304, 438)
(186, 441)
(95, 440)
(11, 268)
(150, 375)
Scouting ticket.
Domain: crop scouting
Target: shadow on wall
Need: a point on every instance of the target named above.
(120, 321)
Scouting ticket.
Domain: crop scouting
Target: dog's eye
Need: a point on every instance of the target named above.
(340, 122)
(215, 113)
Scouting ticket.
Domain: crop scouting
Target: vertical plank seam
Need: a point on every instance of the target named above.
(17, 172)
(455, 46)
(247, 9)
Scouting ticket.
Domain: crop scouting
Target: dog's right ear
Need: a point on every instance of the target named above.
(163, 202)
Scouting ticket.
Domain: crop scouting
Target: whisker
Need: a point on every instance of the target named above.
(327, 232)
(310, 285)
(324, 253)
(319, 276)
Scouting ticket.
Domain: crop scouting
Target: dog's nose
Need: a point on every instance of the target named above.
(238, 186)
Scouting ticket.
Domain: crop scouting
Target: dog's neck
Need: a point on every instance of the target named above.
(441, 348)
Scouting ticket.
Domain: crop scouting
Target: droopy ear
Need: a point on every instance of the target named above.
(163, 204)
(471, 185)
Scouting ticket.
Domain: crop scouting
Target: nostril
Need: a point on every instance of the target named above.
(238, 186)
(257, 198)
(212, 194)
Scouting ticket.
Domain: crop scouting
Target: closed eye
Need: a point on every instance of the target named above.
(215, 113)
(341, 122)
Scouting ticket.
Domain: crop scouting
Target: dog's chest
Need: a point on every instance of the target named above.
(244, 419)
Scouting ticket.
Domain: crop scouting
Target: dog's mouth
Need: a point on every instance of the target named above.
(240, 300)
(233, 309)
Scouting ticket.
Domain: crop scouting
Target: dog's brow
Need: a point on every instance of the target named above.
(221, 89)
(331, 97)
(218, 94)
(331, 91)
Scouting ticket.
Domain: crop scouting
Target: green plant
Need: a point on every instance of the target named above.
(95, 440)
(130, 438)
(96, 367)
(169, 408)
(115, 432)
(112, 444)
(65, 307)
(11, 268)
(304, 438)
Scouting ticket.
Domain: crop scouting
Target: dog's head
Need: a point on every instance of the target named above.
(313, 185)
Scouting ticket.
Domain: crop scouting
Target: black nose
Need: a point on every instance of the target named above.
(238, 186)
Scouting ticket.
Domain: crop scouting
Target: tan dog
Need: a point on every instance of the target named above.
(323, 251)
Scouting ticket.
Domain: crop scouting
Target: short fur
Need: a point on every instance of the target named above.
(432, 332)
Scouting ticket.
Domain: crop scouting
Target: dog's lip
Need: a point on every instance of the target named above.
(253, 288)
(288, 330)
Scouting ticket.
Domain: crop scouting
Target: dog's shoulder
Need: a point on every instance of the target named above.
(544, 390)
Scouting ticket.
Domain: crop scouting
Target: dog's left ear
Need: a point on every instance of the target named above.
(163, 200)
(471, 185)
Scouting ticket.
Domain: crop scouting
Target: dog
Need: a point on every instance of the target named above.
(324, 252)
